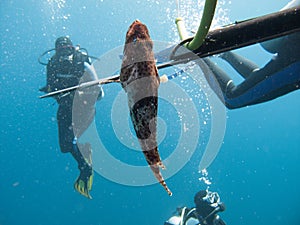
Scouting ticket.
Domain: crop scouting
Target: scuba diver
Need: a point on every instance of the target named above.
(279, 76)
(76, 110)
(207, 205)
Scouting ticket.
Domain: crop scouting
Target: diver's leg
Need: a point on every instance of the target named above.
(224, 87)
(260, 75)
(217, 78)
(248, 92)
(83, 109)
(242, 65)
(264, 75)
(84, 182)
(65, 129)
(67, 140)
(81, 153)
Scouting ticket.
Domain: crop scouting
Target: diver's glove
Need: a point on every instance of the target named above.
(45, 89)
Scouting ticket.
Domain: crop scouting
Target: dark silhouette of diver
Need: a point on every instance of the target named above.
(205, 212)
(65, 69)
(279, 76)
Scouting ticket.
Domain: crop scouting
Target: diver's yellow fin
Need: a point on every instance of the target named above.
(83, 186)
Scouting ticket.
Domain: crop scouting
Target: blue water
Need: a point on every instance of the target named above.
(256, 171)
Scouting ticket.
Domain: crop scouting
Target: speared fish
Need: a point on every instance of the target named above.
(140, 80)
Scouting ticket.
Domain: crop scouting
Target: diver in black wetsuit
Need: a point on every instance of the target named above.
(279, 76)
(207, 205)
(67, 68)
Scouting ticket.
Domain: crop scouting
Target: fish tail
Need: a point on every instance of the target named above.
(159, 177)
(163, 183)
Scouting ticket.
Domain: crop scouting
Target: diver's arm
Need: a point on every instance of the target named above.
(91, 71)
(242, 65)
(50, 81)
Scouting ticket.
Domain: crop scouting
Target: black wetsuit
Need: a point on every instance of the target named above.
(75, 112)
(278, 77)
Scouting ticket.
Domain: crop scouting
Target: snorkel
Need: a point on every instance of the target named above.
(198, 39)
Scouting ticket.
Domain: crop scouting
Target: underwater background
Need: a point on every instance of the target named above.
(256, 171)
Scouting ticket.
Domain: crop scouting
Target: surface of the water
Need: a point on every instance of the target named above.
(256, 171)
